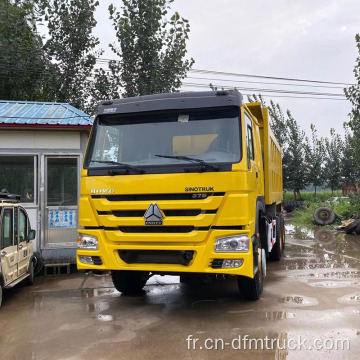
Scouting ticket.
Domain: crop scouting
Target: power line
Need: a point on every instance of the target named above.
(246, 75)
(268, 90)
(268, 95)
(264, 83)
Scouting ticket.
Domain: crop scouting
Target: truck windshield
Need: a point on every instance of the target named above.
(162, 138)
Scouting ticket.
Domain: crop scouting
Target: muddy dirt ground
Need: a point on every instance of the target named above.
(312, 293)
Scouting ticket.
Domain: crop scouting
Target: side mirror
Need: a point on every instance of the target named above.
(31, 236)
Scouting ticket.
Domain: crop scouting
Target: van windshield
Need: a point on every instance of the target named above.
(161, 138)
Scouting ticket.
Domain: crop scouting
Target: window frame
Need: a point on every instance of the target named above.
(27, 222)
(36, 174)
(249, 127)
(2, 228)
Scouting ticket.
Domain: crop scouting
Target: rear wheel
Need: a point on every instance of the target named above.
(129, 282)
(278, 249)
(30, 278)
(251, 289)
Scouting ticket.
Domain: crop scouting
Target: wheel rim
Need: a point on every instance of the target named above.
(324, 215)
(260, 269)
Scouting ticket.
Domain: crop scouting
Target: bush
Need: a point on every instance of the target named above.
(342, 207)
(310, 196)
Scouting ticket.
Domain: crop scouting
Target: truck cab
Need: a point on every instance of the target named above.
(181, 183)
(16, 249)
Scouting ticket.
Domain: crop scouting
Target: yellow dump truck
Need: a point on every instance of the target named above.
(182, 184)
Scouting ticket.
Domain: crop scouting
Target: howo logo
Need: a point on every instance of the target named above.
(153, 215)
(102, 191)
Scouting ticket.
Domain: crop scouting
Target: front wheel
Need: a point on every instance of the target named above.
(129, 282)
(251, 289)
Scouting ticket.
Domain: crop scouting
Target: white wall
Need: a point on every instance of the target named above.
(35, 139)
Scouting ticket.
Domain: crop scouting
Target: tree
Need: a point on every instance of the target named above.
(353, 95)
(314, 152)
(333, 156)
(25, 70)
(72, 47)
(295, 175)
(151, 49)
(349, 167)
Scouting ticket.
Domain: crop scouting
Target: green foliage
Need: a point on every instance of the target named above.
(71, 45)
(25, 70)
(353, 95)
(342, 207)
(333, 155)
(294, 162)
(349, 167)
(309, 196)
(151, 49)
(314, 152)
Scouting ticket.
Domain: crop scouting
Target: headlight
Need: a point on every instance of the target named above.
(235, 243)
(87, 242)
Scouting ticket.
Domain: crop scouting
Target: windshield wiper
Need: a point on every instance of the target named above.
(203, 163)
(119, 165)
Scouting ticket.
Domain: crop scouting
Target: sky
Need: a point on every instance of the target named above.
(302, 39)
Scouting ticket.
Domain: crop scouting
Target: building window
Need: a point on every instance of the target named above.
(18, 176)
(62, 181)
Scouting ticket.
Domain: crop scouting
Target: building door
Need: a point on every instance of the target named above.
(9, 249)
(61, 201)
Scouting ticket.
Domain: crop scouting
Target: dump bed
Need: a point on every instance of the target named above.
(271, 155)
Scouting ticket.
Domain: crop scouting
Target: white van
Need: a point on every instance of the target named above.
(17, 260)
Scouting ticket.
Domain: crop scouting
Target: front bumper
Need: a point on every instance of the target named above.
(110, 242)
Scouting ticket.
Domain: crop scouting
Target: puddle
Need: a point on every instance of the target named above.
(334, 284)
(91, 293)
(299, 300)
(240, 311)
(278, 315)
(350, 299)
(105, 318)
(201, 302)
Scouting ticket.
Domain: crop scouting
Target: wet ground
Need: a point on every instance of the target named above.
(312, 293)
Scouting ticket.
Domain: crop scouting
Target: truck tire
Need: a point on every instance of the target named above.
(129, 282)
(30, 278)
(278, 249)
(324, 216)
(251, 289)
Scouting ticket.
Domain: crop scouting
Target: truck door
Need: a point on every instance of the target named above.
(24, 247)
(9, 251)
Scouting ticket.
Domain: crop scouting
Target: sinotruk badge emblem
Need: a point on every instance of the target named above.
(153, 215)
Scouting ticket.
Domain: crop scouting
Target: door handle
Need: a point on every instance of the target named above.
(20, 247)
(3, 253)
(257, 174)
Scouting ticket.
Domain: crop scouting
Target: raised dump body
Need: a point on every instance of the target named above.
(181, 183)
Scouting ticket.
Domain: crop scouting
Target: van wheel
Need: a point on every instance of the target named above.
(278, 249)
(129, 282)
(1, 291)
(251, 289)
(30, 278)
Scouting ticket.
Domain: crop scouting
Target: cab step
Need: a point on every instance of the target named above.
(11, 285)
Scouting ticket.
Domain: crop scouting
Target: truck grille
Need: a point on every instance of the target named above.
(156, 256)
(184, 212)
(140, 213)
